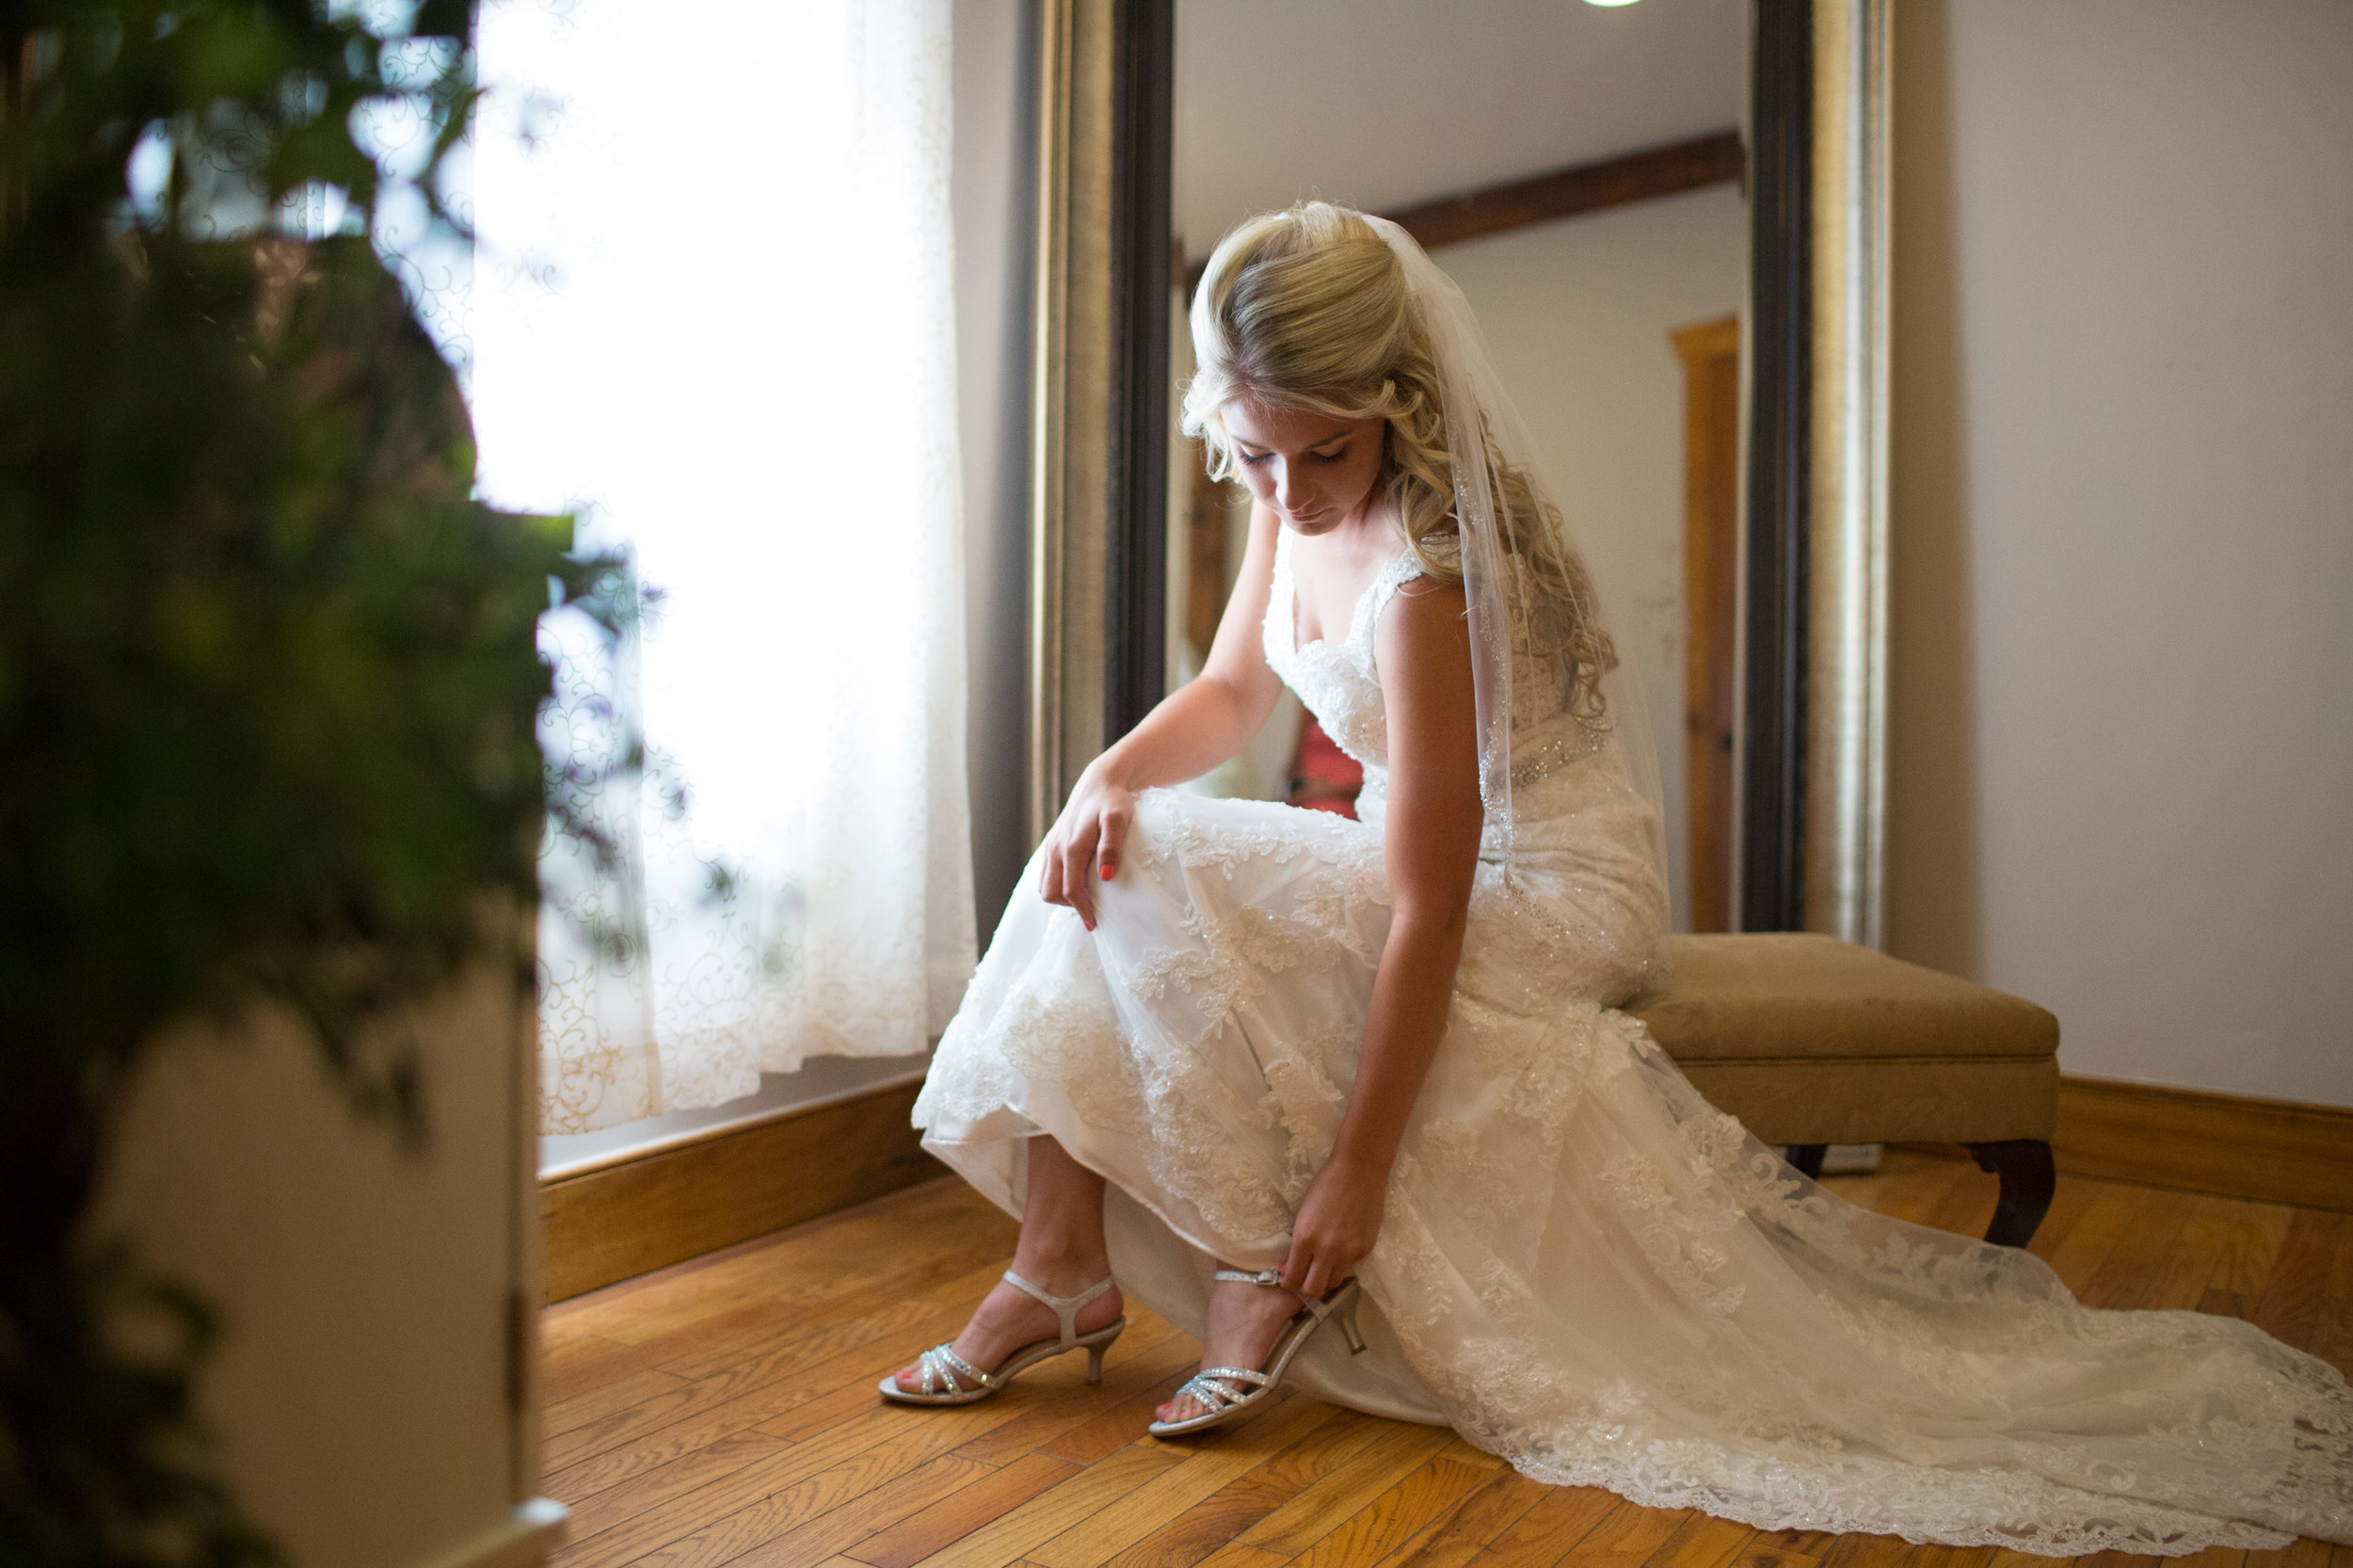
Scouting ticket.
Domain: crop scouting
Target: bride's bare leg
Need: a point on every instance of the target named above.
(1244, 1322)
(1061, 1252)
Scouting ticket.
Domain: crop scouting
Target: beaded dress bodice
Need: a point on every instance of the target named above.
(1340, 682)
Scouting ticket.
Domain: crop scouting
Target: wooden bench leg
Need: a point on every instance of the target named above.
(1807, 1157)
(2028, 1176)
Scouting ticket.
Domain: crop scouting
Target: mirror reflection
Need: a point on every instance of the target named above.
(1577, 170)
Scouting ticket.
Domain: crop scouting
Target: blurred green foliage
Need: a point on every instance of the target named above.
(267, 672)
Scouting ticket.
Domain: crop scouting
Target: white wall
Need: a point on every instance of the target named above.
(1578, 312)
(2123, 524)
(360, 1388)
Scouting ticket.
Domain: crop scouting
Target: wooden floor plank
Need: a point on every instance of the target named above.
(961, 1512)
(1395, 1515)
(1208, 1526)
(1702, 1541)
(1446, 1529)
(730, 1537)
(1967, 1206)
(843, 1493)
(2136, 1265)
(629, 1442)
(1235, 1555)
(1147, 1358)
(2332, 1338)
(2095, 1234)
(1205, 1466)
(2069, 1200)
(601, 1509)
(620, 1399)
(822, 1537)
(582, 1364)
(1009, 1537)
(1918, 1196)
(2253, 1248)
(1396, 1451)
(2198, 1252)
(1760, 1553)
(1121, 1418)
(1627, 1535)
(2290, 1307)
(1551, 1529)
(899, 1439)
(1482, 1514)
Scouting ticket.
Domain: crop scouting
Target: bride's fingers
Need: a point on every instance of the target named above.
(1113, 827)
(1049, 885)
(1078, 856)
(1299, 1270)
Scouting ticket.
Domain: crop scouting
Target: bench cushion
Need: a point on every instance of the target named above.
(1793, 994)
(1810, 1040)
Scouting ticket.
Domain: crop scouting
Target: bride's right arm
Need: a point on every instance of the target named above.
(1190, 731)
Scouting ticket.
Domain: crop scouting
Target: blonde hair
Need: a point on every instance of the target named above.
(1307, 310)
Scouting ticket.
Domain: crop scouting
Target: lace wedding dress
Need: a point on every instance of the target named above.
(1584, 1267)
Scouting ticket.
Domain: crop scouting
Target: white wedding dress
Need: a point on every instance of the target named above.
(1584, 1267)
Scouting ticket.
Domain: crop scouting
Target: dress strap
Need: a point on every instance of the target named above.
(1384, 586)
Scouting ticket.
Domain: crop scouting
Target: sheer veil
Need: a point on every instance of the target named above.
(1480, 417)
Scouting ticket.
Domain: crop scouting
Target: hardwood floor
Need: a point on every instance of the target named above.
(724, 1411)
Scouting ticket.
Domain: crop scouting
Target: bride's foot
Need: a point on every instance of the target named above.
(1245, 1321)
(1006, 1320)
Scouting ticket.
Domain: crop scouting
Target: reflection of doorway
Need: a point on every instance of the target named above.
(1710, 351)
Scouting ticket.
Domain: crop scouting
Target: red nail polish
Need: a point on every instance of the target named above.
(1106, 874)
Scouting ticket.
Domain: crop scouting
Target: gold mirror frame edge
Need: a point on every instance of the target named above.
(1846, 805)
(1071, 366)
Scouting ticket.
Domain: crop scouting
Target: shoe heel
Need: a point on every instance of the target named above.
(1347, 1317)
(1095, 1365)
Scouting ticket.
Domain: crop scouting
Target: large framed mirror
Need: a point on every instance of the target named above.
(1671, 217)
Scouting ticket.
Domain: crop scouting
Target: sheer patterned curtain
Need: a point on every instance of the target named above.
(712, 314)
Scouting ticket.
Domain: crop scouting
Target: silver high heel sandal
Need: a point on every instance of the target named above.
(1209, 1385)
(942, 1367)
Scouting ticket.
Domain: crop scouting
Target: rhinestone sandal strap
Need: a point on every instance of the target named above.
(1270, 1278)
(1063, 1307)
(942, 1361)
(1203, 1387)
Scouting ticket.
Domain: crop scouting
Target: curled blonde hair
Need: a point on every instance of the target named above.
(1307, 310)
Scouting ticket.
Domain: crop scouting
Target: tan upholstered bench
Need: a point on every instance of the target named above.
(1810, 1041)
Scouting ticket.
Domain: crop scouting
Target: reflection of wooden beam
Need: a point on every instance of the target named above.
(1563, 193)
(1581, 188)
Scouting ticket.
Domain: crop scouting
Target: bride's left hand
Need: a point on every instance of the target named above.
(1338, 1222)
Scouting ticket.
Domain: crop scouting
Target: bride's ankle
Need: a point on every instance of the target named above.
(1061, 1272)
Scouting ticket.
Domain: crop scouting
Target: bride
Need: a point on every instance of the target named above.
(1271, 1068)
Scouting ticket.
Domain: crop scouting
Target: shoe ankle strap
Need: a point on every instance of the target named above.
(1273, 1280)
(1271, 1277)
(1064, 1307)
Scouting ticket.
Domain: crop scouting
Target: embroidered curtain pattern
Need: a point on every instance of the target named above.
(712, 316)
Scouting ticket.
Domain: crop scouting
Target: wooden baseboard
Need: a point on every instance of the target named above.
(2270, 1151)
(639, 1215)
